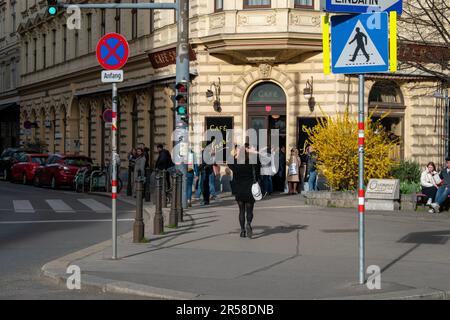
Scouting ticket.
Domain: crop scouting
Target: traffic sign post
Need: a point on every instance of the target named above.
(359, 44)
(112, 54)
(362, 6)
(112, 62)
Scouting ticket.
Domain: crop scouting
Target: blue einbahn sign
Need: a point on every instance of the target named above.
(362, 6)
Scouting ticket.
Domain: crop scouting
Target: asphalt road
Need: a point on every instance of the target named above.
(38, 225)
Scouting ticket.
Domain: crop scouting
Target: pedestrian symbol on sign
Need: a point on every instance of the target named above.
(357, 49)
(359, 38)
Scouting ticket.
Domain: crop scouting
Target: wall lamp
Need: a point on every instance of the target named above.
(308, 93)
(214, 96)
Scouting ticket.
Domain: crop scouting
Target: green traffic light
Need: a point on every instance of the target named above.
(52, 10)
(181, 110)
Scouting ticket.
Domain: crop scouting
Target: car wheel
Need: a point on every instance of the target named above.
(24, 178)
(36, 181)
(53, 183)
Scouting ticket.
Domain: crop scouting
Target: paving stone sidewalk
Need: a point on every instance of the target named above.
(297, 252)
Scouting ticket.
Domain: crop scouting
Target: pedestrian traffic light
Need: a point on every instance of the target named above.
(182, 102)
(52, 7)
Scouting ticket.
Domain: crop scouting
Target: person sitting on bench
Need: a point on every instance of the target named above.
(430, 182)
(444, 190)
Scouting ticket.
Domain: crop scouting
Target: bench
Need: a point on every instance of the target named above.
(422, 198)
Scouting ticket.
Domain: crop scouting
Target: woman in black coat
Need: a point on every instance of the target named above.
(244, 176)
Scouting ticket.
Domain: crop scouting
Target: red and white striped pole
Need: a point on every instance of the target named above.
(114, 170)
(361, 192)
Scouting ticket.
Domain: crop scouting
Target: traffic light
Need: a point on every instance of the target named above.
(52, 7)
(182, 102)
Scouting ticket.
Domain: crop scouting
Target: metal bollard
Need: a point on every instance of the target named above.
(158, 221)
(179, 193)
(173, 217)
(138, 229)
(164, 189)
(148, 174)
(130, 181)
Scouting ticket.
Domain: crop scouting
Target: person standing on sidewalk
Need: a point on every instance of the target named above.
(444, 190)
(267, 171)
(311, 170)
(294, 164)
(192, 172)
(244, 176)
(139, 167)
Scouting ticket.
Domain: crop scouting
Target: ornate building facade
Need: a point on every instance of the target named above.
(266, 54)
(9, 74)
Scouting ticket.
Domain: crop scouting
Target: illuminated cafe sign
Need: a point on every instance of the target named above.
(221, 124)
(168, 57)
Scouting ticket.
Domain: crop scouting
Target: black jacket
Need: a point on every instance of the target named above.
(164, 161)
(243, 180)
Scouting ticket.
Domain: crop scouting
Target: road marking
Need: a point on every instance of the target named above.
(95, 205)
(60, 206)
(23, 206)
(61, 221)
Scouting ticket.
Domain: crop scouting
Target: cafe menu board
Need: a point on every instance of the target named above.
(220, 124)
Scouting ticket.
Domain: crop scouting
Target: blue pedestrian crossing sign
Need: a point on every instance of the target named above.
(360, 44)
(362, 6)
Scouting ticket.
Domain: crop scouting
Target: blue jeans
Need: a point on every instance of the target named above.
(190, 183)
(267, 185)
(442, 194)
(198, 192)
(212, 185)
(312, 181)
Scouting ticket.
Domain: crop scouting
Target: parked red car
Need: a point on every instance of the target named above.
(25, 167)
(60, 170)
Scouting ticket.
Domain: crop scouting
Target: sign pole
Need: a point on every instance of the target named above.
(114, 170)
(361, 193)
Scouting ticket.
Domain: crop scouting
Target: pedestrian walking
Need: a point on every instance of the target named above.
(311, 169)
(205, 171)
(245, 174)
(294, 164)
(164, 162)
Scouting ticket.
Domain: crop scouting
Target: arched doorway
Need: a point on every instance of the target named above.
(266, 109)
(387, 105)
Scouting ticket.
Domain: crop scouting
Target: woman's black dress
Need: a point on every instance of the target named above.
(243, 180)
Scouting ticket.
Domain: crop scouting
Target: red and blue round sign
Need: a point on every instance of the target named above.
(112, 51)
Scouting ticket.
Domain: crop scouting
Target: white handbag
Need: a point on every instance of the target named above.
(293, 169)
(256, 189)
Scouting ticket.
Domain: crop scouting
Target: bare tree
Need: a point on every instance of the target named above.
(424, 38)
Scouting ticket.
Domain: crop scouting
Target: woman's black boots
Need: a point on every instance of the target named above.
(243, 234)
(249, 230)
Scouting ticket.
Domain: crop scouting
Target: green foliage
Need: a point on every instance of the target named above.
(410, 187)
(406, 171)
(335, 140)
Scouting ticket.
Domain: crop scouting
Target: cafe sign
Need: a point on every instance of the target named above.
(164, 58)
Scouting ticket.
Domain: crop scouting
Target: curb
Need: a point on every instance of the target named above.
(55, 271)
(413, 294)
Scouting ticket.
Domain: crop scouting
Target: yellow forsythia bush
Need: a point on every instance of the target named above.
(335, 140)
